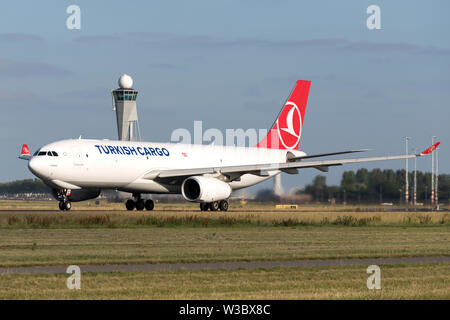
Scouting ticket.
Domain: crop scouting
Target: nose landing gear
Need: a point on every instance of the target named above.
(63, 196)
(65, 205)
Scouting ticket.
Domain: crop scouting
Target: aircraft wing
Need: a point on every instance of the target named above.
(263, 169)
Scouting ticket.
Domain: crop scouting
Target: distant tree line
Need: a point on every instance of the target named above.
(363, 186)
(24, 186)
(377, 186)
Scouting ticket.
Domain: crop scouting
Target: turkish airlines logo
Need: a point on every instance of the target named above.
(25, 150)
(289, 125)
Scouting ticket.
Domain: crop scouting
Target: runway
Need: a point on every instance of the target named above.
(228, 265)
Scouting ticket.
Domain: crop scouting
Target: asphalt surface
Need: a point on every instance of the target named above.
(227, 265)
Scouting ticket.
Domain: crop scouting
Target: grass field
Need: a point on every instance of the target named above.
(430, 281)
(36, 234)
(28, 247)
(44, 214)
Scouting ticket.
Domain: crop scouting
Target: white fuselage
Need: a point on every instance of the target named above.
(122, 165)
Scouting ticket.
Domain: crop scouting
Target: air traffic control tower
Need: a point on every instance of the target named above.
(124, 99)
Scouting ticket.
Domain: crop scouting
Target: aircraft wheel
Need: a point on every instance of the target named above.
(214, 206)
(129, 205)
(204, 206)
(149, 204)
(140, 205)
(223, 205)
(67, 205)
(61, 205)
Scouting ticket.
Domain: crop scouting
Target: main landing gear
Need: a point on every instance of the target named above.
(214, 206)
(139, 203)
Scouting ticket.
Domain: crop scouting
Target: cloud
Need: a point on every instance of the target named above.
(99, 39)
(18, 96)
(164, 66)
(202, 41)
(88, 93)
(400, 47)
(342, 45)
(18, 69)
(19, 37)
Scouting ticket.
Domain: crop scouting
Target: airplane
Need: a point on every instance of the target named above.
(78, 169)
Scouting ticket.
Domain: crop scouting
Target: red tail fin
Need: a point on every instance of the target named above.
(287, 129)
(25, 151)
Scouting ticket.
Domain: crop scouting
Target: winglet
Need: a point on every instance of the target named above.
(25, 153)
(430, 149)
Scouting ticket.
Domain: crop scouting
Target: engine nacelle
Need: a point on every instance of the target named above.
(78, 194)
(205, 189)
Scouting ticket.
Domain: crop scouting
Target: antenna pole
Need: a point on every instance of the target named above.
(437, 178)
(406, 175)
(415, 179)
(432, 174)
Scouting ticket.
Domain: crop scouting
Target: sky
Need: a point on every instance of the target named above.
(230, 64)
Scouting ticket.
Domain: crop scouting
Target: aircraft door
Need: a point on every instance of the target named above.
(77, 156)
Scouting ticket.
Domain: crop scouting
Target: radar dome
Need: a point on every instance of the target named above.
(125, 82)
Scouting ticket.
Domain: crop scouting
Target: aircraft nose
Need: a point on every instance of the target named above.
(37, 167)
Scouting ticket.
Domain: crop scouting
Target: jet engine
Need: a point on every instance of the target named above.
(205, 189)
(78, 194)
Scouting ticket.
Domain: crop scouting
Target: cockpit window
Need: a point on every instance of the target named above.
(46, 153)
(36, 153)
